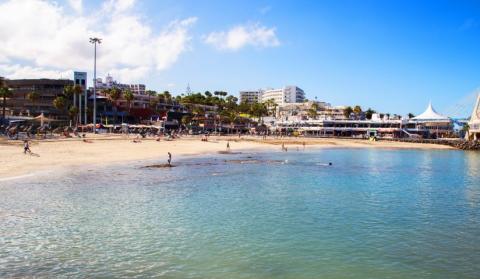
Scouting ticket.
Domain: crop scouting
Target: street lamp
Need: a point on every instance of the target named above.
(94, 41)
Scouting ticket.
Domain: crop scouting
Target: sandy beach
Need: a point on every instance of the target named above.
(107, 149)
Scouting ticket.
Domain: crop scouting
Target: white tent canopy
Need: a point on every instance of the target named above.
(431, 114)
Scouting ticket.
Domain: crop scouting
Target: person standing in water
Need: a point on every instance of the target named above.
(169, 159)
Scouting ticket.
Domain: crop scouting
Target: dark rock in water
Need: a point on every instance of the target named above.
(250, 160)
(159, 166)
(228, 152)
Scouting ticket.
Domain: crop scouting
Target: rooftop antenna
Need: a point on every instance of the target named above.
(188, 91)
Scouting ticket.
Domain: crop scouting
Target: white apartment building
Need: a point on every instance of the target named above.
(141, 99)
(250, 96)
(287, 94)
(137, 89)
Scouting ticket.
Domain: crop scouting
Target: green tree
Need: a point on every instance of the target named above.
(347, 111)
(128, 96)
(73, 113)
(271, 106)
(369, 113)
(33, 97)
(313, 111)
(68, 91)
(259, 110)
(77, 95)
(357, 110)
(187, 120)
(4, 94)
(168, 96)
(411, 115)
(60, 103)
(466, 130)
(114, 95)
(154, 104)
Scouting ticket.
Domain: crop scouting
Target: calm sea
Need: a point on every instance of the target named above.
(372, 214)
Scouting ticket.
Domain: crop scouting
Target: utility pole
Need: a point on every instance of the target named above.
(94, 41)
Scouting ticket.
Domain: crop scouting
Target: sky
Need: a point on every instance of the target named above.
(392, 56)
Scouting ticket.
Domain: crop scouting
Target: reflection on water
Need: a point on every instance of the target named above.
(372, 214)
(472, 168)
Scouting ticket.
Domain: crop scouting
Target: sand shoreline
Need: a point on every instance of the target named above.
(108, 149)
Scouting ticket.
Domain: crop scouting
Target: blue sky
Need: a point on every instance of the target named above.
(393, 56)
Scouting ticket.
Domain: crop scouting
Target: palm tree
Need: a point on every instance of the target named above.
(154, 105)
(73, 113)
(369, 113)
(357, 110)
(33, 97)
(168, 96)
(60, 103)
(466, 130)
(4, 94)
(187, 120)
(259, 110)
(128, 96)
(77, 92)
(347, 112)
(312, 112)
(68, 91)
(113, 95)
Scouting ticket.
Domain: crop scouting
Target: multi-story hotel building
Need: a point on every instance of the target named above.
(250, 96)
(281, 96)
(19, 104)
(287, 94)
(141, 98)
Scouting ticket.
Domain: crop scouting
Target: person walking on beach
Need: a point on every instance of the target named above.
(169, 159)
(26, 147)
(228, 146)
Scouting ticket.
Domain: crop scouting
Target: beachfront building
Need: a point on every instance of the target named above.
(431, 124)
(302, 111)
(23, 103)
(250, 96)
(141, 98)
(301, 120)
(474, 123)
(281, 96)
(343, 128)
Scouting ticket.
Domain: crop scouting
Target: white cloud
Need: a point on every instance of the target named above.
(52, 41)
(118, 5)
(20, 71)
(243, 35)
(76, 5)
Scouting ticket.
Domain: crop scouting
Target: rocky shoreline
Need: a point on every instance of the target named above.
(459, 144)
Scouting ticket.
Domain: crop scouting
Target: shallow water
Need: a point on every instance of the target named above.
(373, 214)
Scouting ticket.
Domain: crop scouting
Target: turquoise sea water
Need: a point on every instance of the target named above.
(373, 214)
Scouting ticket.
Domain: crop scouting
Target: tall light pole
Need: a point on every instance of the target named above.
(94, 41)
